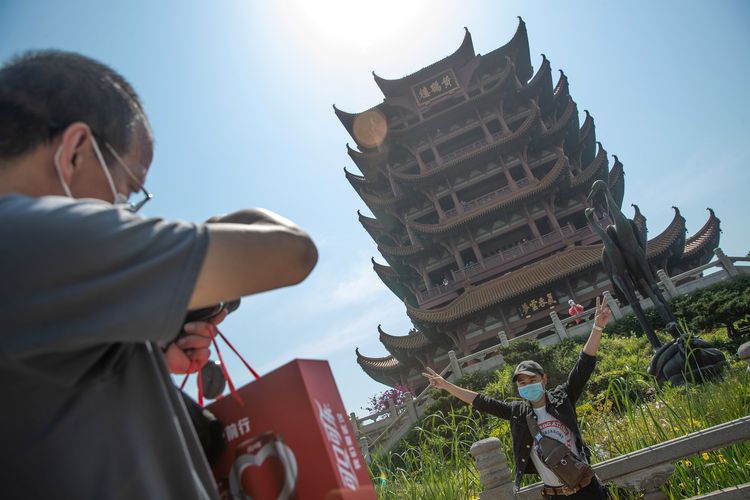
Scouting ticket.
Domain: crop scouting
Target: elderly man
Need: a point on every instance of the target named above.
(91, 292)
(553, 409)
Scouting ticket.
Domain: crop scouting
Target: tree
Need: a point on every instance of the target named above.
(379, 402)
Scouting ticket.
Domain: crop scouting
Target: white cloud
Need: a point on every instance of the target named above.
(341, 336)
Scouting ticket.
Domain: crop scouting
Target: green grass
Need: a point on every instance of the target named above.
(623, 410)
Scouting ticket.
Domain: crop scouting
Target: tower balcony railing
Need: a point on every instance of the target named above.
(468, 206)
(469, 148)
(458, 277)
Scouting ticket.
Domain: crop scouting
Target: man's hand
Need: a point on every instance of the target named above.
(601, 317)
(191, 350)
(435, 379)
(602, 314)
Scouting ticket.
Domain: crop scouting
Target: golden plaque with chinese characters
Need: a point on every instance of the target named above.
(436, 87)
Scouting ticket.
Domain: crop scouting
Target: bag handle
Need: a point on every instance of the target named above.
(214, 332)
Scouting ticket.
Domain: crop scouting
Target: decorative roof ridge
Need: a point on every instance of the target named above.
(520, 132)
(389, 362)
(561, 122)
(592, 168)
(615, 173)
(705, 235)
(562, 85)
(375, 153)
(379, 201)
(465, 51)
(358, 179)
(413, 340)
(544, 68)
(347, 120)
(402, 251)
(519, 37)
(667, 238)
(549, 180)
(588, 123)
(369, 221)
(383, 270)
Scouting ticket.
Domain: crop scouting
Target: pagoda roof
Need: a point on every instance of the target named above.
(358, 181)
(437, 172)
(640, 222)
(568, 118)
(397, 86)
(562, 88)
(588, 125)
(706, 238)
(597, 166)
(672, 238)
(403, 251)
(372, 226)
(415, 340)
(549, 181)
(381, 369)
(541, 273)
(374, 200)
(542, 80)
(518, 46)
(512, 284)
(347, 120)
(616, 181)
(385, 272)
(369, 163)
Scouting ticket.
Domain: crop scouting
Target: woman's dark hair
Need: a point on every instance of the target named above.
(43, 92)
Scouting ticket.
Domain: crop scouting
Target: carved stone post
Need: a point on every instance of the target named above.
(355, 424)
(668, 284)
(411, 408)
(726, 263)
(392, 408)
(744, 353)
(494, 474)
(559, 328)
(648, 480)
(455, 367)
(613, 306)
(364, 445)
(503, 338)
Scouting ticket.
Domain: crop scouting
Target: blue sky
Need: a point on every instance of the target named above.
(240, 92)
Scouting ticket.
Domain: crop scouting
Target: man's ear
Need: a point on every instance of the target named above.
(544, 380)
(74, 145)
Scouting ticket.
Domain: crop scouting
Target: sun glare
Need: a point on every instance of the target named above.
(360, 25)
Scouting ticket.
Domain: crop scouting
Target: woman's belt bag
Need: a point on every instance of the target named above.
(570, 469)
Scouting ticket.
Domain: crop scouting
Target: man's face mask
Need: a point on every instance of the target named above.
(118, 198)
(531, 392)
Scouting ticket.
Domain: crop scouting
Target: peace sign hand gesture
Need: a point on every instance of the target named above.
(435, 379)
(602, 314)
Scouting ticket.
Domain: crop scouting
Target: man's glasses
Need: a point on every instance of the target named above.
(133, 207)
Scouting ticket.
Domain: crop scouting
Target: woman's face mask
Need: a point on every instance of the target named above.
(531, 392)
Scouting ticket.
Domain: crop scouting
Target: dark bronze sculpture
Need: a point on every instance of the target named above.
(685, 357)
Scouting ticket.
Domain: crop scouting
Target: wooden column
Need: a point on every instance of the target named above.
(523, 156)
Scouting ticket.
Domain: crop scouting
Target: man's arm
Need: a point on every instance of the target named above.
(479, 401)
(601, 317)
(436, 380)
(251, 251)
(583, 369)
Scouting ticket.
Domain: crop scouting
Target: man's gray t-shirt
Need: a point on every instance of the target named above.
(88, 407)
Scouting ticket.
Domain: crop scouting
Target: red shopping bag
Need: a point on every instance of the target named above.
(288, 436)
